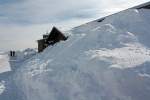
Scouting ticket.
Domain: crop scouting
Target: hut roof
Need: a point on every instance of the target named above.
(54, 34)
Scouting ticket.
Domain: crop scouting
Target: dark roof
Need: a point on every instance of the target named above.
(54, 33)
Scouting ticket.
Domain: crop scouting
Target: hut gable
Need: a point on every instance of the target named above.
(50, 39)
(55, 36)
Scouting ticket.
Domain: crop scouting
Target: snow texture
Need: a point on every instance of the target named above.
(107, 60)
(2, 87)
(4, 63)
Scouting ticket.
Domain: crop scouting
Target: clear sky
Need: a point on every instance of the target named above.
(22, 22)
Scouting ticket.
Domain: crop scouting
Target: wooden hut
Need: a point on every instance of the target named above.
(50, 39)
(41, 45)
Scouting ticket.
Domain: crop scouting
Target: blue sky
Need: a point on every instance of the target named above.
(22, 22)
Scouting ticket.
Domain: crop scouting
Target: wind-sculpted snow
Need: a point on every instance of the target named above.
(106, 60)
(2, 87)
(4, 63)
(126, 57)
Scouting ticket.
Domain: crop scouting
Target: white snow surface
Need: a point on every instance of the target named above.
(4, 63)
(2, 87)
(108, 60)
(126, 57)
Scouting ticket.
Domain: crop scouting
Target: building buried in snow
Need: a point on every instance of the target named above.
(56, 35)
(50, 39)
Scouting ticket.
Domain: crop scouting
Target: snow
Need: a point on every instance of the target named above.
(2, 87)
(126, 57)
(142, 5)
(106, 60)
(4, 63)
(144, 75)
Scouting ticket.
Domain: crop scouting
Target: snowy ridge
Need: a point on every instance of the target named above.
(107, 60)
(143, 5)
(100, 61)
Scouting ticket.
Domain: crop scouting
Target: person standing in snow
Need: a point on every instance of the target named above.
(13, 53)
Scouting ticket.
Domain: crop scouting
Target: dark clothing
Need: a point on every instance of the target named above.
(12, 53)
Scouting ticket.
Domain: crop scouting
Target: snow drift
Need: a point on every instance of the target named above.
(107, 60)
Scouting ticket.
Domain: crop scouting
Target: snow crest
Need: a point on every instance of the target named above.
(107, 60)
(126, 57)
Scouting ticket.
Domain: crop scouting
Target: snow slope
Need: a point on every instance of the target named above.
(4, 63)
(9, 65)
(106, 60)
